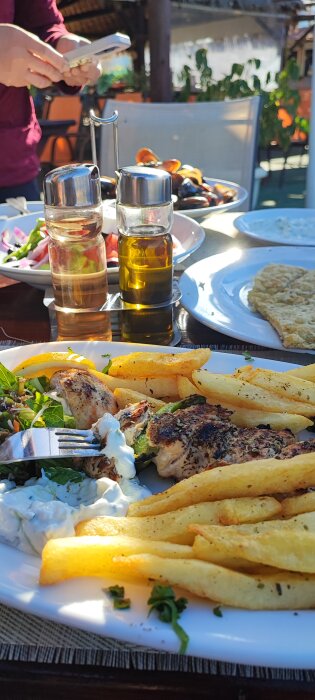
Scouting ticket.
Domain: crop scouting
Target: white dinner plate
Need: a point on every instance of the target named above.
(188, 236)
(241, 196)
(6, 211)
(214, 290)
(287, 226)
(280, 639)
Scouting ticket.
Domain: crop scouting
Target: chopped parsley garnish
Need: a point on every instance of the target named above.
(59, 473)
(217, 611)
(168, 609)
(247, 356)
(117, 593)
(105, 369)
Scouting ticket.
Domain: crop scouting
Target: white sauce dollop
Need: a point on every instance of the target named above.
(108, 428)
(42, 509)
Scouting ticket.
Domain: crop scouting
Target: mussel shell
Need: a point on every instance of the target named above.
(196, 202)
(171, 165)
(193, 174)
(188, 189)
(177, 180)
(212, 198)
(146, 155)
(108, 187)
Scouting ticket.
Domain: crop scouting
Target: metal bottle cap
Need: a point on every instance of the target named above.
(139, 186)
(75, 185)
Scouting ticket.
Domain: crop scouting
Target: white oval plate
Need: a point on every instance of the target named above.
(6, 211)
(241, 196)
(280, 639)
(287, 226)
(189, 236)
(214, 290)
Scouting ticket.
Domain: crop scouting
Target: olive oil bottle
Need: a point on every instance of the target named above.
(145, 251)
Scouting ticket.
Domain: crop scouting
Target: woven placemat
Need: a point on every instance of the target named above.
(27, 638)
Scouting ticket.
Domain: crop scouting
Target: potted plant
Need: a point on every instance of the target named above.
(276, 92)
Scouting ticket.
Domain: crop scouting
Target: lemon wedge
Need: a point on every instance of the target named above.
(49, 362)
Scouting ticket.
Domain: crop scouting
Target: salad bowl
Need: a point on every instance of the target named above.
(34, 270)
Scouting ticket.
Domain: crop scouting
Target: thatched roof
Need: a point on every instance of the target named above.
(95, 18)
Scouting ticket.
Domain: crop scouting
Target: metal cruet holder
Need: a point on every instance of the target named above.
(100, 121)
(115, 300)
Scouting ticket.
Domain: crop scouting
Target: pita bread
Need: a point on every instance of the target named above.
(285, 296)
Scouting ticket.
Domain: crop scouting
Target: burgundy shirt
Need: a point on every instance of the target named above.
(19, 128)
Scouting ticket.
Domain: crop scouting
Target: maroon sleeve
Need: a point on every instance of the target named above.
(40, 17)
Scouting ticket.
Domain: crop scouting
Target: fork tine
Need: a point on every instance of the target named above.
(78, 440)
(68, 444)
(73, 431)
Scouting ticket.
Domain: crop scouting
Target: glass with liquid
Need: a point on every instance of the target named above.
(79, 273)
(145, 251)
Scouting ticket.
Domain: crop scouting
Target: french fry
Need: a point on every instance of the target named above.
(205, 551)
(307, 372)
(158, 364)
(234, 511)
(246, 418)
(290, 388)
(71, 557)
(236, 392)
(260, 477)
(126, 397)
(273, 547)
(302, 522)
(173, 526)
(304, 503)
(186, 388)
(157, 387)
(277, 591)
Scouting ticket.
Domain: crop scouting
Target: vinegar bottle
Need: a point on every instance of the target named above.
(145, 250)
(73, 213)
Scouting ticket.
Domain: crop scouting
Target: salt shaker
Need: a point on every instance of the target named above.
(77, 254)
(145, 249)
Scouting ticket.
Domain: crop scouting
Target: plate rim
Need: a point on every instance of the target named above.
(223, 644)
(216, 325)
(229, 206)
(238, 221)
(43, 276)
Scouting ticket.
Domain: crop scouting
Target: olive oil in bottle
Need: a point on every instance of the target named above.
(145, 251)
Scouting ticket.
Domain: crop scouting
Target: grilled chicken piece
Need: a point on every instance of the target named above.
(298, 448)
(86, 395)
(96, 467)
(201, 437)
(133, 419)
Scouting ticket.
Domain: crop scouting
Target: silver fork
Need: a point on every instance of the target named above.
(45, 443)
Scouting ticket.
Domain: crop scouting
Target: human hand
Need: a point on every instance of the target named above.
(26, 60)
(87, 73)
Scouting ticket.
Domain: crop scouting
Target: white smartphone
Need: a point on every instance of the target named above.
(99, 49)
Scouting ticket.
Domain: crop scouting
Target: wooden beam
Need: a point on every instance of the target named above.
(159, 30)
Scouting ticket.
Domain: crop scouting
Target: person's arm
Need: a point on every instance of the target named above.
(44, 19)
(25, 59)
